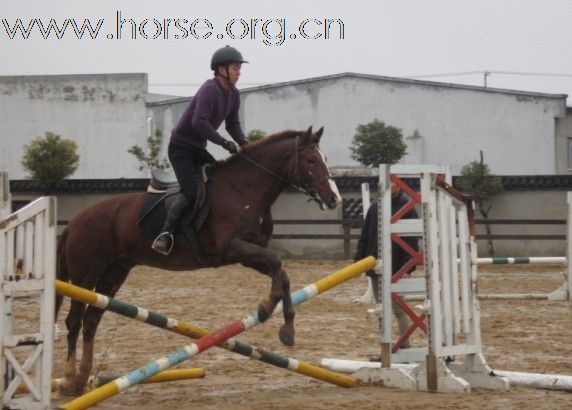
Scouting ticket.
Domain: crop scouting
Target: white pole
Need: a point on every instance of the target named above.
(521, 260)
(367, 297)
(569, 246)
(540, 381)
(365, 198)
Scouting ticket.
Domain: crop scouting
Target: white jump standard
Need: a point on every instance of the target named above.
(27, 272)
(449, 285)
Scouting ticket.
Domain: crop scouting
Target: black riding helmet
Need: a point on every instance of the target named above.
(225, 56)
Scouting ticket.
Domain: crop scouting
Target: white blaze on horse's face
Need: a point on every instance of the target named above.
(322, 187)
(331, 182)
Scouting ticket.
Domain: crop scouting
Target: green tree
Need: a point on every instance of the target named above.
(150, 158)
(476, 179)
(50, 160)
(376, 143)
(255, 135)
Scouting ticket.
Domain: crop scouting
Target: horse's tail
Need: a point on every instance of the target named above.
(62, 272)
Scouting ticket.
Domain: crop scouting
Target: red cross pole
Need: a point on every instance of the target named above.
(418, 321)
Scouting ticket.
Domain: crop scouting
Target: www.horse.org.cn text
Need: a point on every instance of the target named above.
(269, 31)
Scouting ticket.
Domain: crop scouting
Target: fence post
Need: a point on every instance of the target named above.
(5, 199)
(347, 237)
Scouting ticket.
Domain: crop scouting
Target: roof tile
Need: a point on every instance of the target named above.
(344, 183)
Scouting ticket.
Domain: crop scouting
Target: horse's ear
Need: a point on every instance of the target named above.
(306, 136)
(316, 137)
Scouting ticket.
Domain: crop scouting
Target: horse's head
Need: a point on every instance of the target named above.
(311, 172)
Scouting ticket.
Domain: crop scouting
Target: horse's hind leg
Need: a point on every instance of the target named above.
(108, 285)
(73, 324)
(266, 262)
(90, 275)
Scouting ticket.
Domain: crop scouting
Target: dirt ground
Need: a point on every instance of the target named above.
(531, 336)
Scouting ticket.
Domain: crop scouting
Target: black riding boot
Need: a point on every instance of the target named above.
(165, 240)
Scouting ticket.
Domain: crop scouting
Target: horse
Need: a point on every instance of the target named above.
(103, 243)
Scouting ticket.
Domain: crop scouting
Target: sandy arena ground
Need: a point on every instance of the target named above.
(531, 336)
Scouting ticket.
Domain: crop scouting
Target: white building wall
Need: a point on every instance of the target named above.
(104, 113)
(441, 124)
(563, 136)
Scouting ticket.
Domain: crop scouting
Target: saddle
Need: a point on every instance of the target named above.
(162, 191)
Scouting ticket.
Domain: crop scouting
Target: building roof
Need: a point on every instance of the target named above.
(344, 183)
(82, 185)
(160, 99)
(510, 182)
(400, 80)
(74, 77)
(153, 98)
(152, 101)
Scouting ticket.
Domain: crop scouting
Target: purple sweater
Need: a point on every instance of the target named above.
(209, 107)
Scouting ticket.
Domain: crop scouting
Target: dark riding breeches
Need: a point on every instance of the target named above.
(187, 163)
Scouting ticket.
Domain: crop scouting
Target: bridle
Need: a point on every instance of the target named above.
(300, 175)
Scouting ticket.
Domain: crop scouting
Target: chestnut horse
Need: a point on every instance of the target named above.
(102, 243)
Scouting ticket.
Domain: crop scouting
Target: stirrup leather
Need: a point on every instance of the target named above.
(157, 245)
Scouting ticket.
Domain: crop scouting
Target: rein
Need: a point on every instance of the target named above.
(303, 189)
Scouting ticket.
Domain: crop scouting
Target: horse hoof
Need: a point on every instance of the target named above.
(69, 388)
(263, 314)
(286, 336)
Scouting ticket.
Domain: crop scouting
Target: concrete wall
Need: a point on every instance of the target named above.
(441, 124)
(104, 113)
(69, 205)
(549, 204)
(293, 205)
(563, 134)
(290, 205)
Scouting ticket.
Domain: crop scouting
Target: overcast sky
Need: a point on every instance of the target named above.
(395, 38)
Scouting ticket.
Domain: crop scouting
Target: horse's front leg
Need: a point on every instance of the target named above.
(266, 262)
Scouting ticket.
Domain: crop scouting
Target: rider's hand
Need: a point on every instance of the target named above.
(230, 146)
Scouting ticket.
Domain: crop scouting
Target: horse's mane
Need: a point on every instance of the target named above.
(271, 139)
(260, 144)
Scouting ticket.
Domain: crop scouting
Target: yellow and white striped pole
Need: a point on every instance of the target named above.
(218, 337)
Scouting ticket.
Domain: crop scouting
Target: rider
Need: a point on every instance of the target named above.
(218, 99)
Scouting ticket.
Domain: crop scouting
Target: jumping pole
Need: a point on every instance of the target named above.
(187, 329)
(171, 375)
(216, 338)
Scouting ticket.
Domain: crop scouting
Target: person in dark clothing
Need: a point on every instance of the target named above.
(368, 246)
(216, 101)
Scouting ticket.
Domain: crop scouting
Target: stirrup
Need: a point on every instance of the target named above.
(158, 245)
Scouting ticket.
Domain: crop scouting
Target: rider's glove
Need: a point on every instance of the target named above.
(230, 146)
